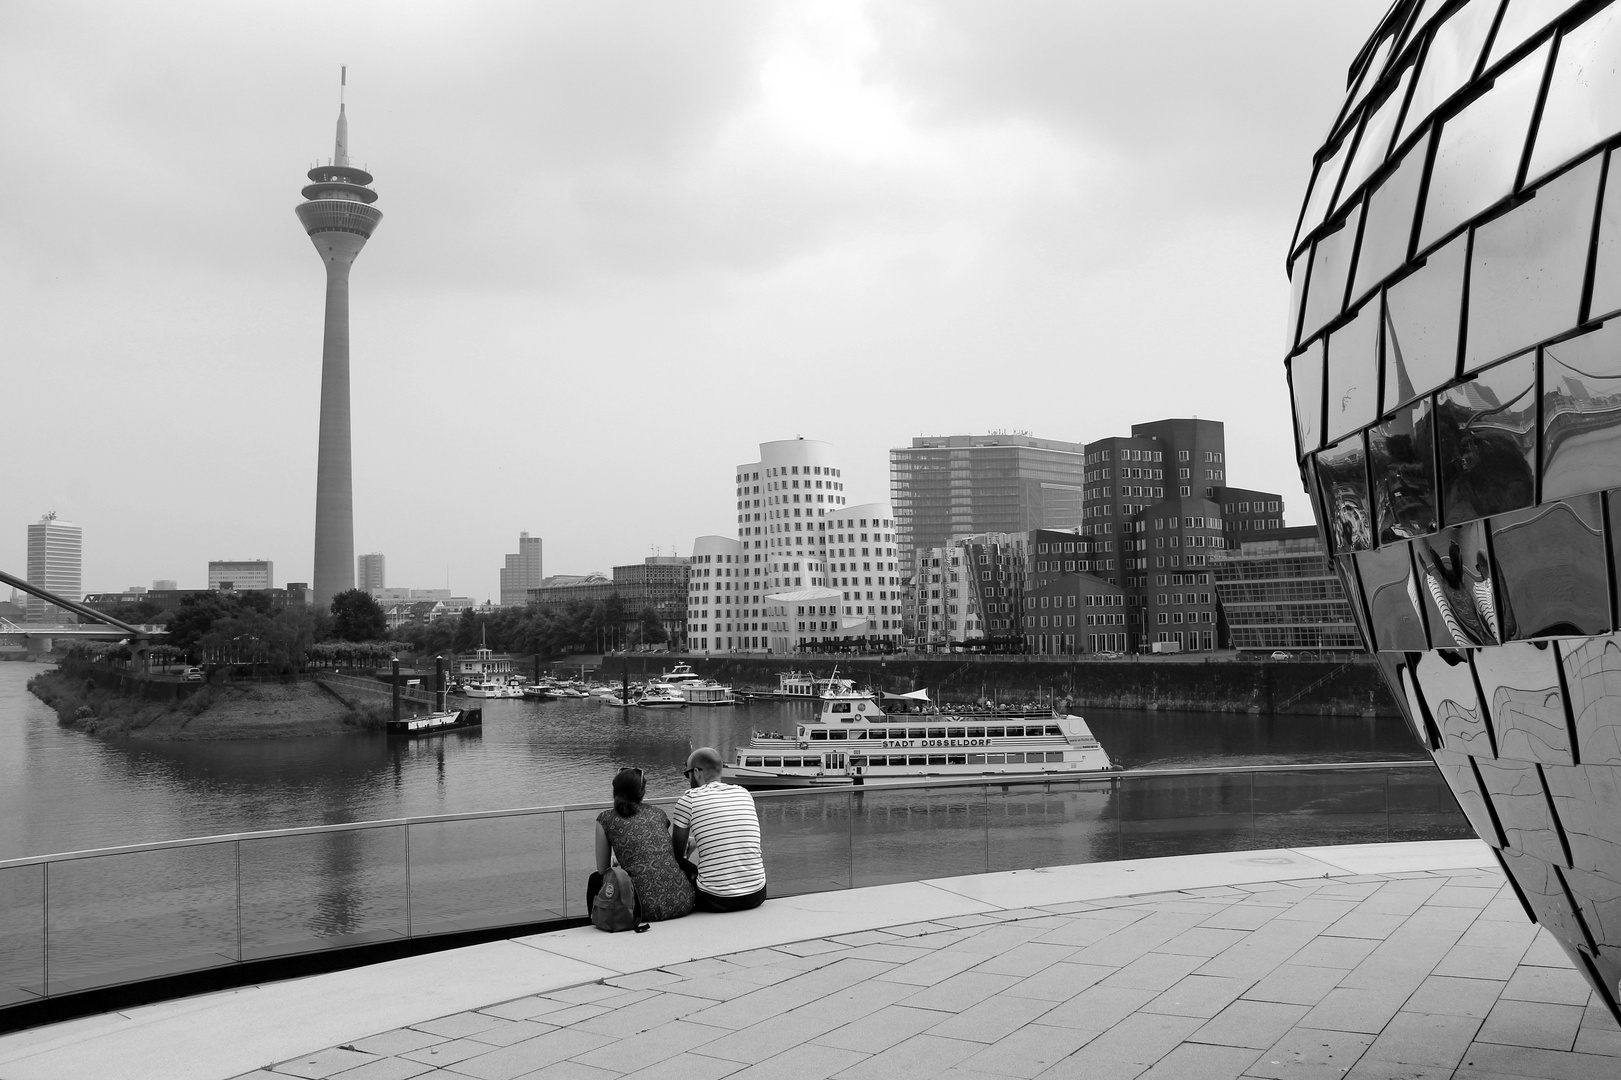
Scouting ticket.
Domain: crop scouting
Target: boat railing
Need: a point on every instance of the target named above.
(77, 923)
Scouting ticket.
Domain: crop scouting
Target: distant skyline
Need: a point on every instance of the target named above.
(611, 228)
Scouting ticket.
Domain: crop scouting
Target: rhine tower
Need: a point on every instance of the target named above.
(339, 217)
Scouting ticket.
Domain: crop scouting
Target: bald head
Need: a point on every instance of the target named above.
(703, 766)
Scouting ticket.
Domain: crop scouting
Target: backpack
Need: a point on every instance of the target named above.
(615, 908)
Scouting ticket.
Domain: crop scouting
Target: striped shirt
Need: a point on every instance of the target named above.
(723, 838)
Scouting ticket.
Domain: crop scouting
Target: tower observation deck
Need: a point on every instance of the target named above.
(339, 217)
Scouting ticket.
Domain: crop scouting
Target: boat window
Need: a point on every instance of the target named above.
(917, 733)
(850, 719)
(995, 759)
(1014, 732)
(1054, 729)
(773, 763)
(956, 733)
(956, 759)
(976, 733)
(841, 706)
(858, 763)
(937, 733)
(995, 732)
(819, 734)
(976, 759)
(838, 734)
(937, 759)
(1018, 759)
(917, 759)
(1055, 755)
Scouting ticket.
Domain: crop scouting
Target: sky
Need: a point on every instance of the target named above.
(623, 244)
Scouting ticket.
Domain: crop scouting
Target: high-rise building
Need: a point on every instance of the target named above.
(957, 485)
(372, 571)
(55, 563)
(241, 575)
(165, 585)
(968, 591)
(522, 572)
(339, 218)
(1279, 591)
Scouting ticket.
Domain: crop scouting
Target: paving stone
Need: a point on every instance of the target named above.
(508, 1062)
(525, 1008)
(445, 1054)
(1028, 1051)
(864, 937)
(878, 1031)
(1346, 1009)
(1334, 952)
(1026, 959)
(1069, 908)
(1098, 1008)
(398, 1041)
(805, 1062)
(917, 929)
(1532, 1023)
(1204, 941)
(681, 1067)
(890, 952)
(769, 1001)
(1296, 984)
(1521, 1061)
(1476, 963)
(760, 1041)
(388, 1068)
(1365, 924)
(1241, 917)
(1544, 950)
(1424, 1039)
(811, 948)
(1128, 943)
(1371, 1068)
(1156, 971)
(1198, 995)
(977, 918)
(507, 1034)
(996, 940)
(1311, 1054)
(1558, 986)
(1059, 982)
(1262, 951)
(708, 965)
(572, 1014)
(1254, 1024)
(319, 1066)
(992, 1019)
(643, 1015)
(597, 994)
(461, 1024)
(1319, 909)
(921, 1057)
(1090, 929)
(1200, 1061)
(1598, 1033)
(650, 1047)
(1141, 1039)
(960, 991)
(932, 967)
(1452, 996)
(754, 958)
(647, 980)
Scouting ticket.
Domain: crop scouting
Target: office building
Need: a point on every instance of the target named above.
(810, 570)
(969, 592)
(1452, 363)
(1280, 592)
(339, 217)
(241, 576)
(165, 585)
(522, 572)
(371, 572)
(958, 485)
(658, 582)
(55, 562)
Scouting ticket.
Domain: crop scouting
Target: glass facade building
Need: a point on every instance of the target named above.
(56, 564)
(1454, 358)
(1281, 592)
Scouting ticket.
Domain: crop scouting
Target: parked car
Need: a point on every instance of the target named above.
(193, 674)
(1281, 655)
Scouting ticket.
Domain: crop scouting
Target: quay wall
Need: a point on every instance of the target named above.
(1349, 687)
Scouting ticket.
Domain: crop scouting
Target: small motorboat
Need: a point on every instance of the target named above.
(662, 697)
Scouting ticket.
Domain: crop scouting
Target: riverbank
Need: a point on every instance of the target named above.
(1351, 686)
(212, 712)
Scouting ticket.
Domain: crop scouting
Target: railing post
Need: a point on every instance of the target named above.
(407, 872)
(238, 846)
(45, 932)
(1387, 806)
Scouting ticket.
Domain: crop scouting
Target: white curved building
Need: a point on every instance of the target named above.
(796, 531)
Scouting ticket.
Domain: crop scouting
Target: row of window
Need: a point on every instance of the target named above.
(975, 731)
(771, 761)
(1130, 455)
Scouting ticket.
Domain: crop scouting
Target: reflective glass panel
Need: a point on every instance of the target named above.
(1330, 265)
(1448, 687)
(806, 841)
(1581, 413)
(1368, 77)
(1521, 803)
(1166, 815)
(1450, 60)
(1588, 802)
(1400, 457)
(1342, 477)
(1422, 808)
(1521, 22)
(1353, 373)
(1459, 770)
(1544, 893)
(579, 857)
(1584, 95)
(1552, 571)
(313, 891)
(1376, 133)
(1423, 313)
(1607, 266)
(1057, 824)
(478, 872)
(1322, 188)
(1319, 807)
(1306, 381)
(1297, 293)
(1527, 267)
(1478, 152)
(22, 934)
(1487, 430)
(1520, 685)
(141, 915)
(1389, 231)
(1353, 595)
(1457, 579)
(1392, 591)
(1593, 681)
(912, 834)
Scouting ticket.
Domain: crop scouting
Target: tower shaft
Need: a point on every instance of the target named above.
(334, 470)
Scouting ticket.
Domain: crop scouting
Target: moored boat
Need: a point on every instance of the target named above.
(707, 692)
(434, 723)
(854, 740)
(662, 697)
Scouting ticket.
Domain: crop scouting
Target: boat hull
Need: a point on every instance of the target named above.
(416, 727)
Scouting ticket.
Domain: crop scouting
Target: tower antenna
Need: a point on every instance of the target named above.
(343, 82)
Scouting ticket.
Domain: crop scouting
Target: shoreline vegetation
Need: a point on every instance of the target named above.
(217, 711)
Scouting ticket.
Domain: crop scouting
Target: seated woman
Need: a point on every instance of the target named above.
(640, 836)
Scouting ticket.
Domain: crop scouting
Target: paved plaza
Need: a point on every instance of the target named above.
(1377, 961)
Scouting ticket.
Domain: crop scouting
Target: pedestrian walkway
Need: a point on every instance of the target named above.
(1370, 962)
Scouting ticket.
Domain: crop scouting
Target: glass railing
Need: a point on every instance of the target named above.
(95, 919)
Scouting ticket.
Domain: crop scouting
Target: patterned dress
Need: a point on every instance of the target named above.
(642, 844)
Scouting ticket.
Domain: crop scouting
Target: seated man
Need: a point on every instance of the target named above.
(719, 823)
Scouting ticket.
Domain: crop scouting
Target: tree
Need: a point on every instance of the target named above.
(357, 617)
(651, 628)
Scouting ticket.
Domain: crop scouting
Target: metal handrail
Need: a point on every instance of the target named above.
(531, 811)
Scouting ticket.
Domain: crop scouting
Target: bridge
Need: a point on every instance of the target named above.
(96, 627)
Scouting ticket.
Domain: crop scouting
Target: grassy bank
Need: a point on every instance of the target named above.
(227, 711)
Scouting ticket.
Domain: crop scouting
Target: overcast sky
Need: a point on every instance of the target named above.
(623, 243)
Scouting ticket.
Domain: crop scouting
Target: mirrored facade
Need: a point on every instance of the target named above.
(1454, 362)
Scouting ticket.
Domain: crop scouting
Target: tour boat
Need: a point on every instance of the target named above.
(411, 727)
(801, 684)
(853, 740)
(662, 697)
